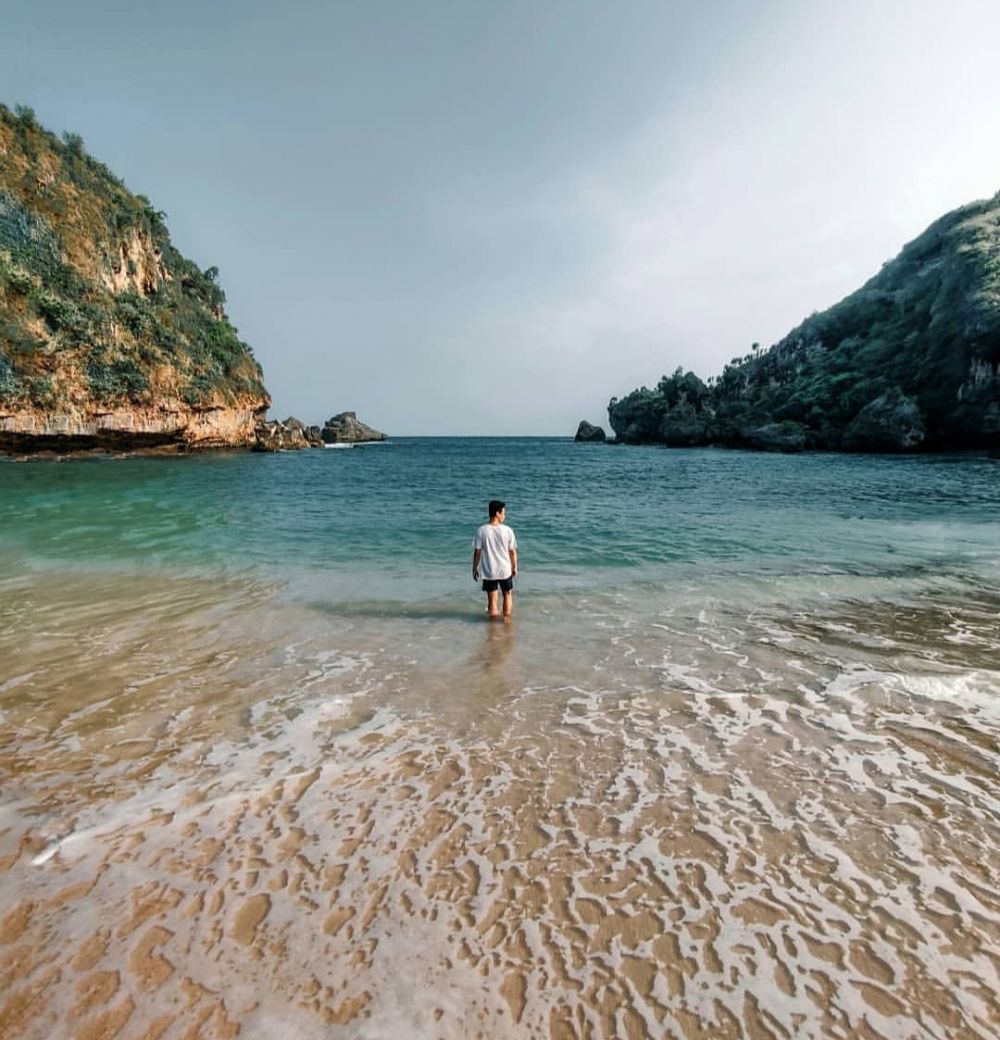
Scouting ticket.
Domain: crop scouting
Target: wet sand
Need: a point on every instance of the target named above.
(693, 820)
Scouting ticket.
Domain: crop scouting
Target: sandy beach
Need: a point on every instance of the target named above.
(217, 824)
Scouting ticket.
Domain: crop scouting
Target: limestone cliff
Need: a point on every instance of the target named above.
(109, 337)
(910, 361)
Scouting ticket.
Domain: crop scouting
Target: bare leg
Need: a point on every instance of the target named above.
(508, 603)
(491, 604)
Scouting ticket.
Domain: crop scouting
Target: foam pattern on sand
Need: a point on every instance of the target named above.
(706, 824)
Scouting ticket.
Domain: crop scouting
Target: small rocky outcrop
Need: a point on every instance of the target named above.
(346, 428)
(892, 422)
(281, 436)
(313, 435)
(588, 433)
(292, 434)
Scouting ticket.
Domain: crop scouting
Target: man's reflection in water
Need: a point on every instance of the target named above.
(491, 662)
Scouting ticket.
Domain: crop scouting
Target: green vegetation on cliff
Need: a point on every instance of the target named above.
(97, 307)
(911, 359)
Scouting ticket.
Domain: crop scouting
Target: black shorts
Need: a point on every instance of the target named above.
(492, 584)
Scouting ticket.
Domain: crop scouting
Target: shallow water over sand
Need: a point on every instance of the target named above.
(747, 799)
(688, 822)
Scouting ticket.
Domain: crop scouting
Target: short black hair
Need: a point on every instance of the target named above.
(496, 506)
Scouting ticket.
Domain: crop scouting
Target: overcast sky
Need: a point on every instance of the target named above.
(479, 217)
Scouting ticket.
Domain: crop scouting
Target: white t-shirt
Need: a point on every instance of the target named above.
(495, 541)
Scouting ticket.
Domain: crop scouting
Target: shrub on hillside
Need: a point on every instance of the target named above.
(113, 380)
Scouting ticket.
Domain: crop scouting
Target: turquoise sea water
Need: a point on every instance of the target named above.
(398, 517)
(731, 771)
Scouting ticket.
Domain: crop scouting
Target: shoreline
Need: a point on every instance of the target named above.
(174, 449)
(732, 769)
(229, 819)
(171, 450)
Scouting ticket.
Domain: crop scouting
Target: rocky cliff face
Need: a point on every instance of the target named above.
(911, 361)
(109, 337)
(129, 428)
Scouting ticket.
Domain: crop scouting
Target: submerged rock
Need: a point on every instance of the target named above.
(346, 428)
(589, 433)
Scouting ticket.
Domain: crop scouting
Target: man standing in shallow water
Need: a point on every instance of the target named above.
(495, 547)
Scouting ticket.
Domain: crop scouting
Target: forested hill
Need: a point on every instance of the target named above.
(910, 361)
(108, 335)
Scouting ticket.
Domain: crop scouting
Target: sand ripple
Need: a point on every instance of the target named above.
(761, 824)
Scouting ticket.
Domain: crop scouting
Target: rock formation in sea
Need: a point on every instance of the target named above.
(346, 428)
(109, 337)
(292, 434)
(589, 433)
(275, 435)
(908, 362)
